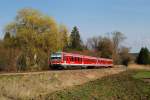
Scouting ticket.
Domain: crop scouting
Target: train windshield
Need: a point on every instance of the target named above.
(56, 56)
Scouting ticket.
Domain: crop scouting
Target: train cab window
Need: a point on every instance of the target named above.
(55, 56)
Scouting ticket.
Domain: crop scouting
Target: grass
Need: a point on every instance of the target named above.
(142, 74)
(25, 87)
(125, 86)
(35, 86)
(128, 85)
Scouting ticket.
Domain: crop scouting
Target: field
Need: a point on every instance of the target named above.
(35, 85)
(93, 84)
(127, 85)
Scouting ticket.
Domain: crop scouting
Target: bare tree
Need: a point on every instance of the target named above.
(103, 46)
(108, 46)
(92, 43)
(117, 38)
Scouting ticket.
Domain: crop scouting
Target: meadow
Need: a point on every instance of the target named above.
(118, 83)
(37, 85)
(128, 85)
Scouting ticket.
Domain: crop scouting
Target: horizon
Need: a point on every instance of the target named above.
(93, 18)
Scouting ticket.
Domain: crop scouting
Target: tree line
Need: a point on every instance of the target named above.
(32, 36)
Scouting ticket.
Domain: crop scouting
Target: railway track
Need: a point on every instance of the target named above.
(59, 71)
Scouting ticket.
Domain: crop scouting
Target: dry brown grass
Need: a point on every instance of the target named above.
(136, 66)
(33, 85)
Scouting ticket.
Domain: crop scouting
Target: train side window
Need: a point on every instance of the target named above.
(75, 59)
(101, 62)
(81, 60)
(71, 59)
(78, 59)
(67, 58)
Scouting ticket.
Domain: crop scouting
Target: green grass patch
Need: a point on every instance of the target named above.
(142, 74)
(120, 86)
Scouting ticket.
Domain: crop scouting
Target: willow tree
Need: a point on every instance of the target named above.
(63, 37)
(34, 33)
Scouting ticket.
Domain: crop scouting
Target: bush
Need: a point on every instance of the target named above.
(22, 62)
(35, 62)
(4, 59)
(7, 59)
(42, 60)
(125, 56)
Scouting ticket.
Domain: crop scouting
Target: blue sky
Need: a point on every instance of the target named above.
(93, 17)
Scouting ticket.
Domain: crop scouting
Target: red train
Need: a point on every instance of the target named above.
(60, 60)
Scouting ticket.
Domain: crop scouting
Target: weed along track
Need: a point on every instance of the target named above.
(33, 84)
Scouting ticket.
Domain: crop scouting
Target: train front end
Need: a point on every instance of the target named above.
(56, 60)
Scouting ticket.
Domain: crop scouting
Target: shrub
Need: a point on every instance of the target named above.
(143, 57)
(4, 59)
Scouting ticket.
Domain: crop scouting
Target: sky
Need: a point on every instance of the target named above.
(92, 17)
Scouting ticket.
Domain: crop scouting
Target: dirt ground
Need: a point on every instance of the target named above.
(31, 85)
